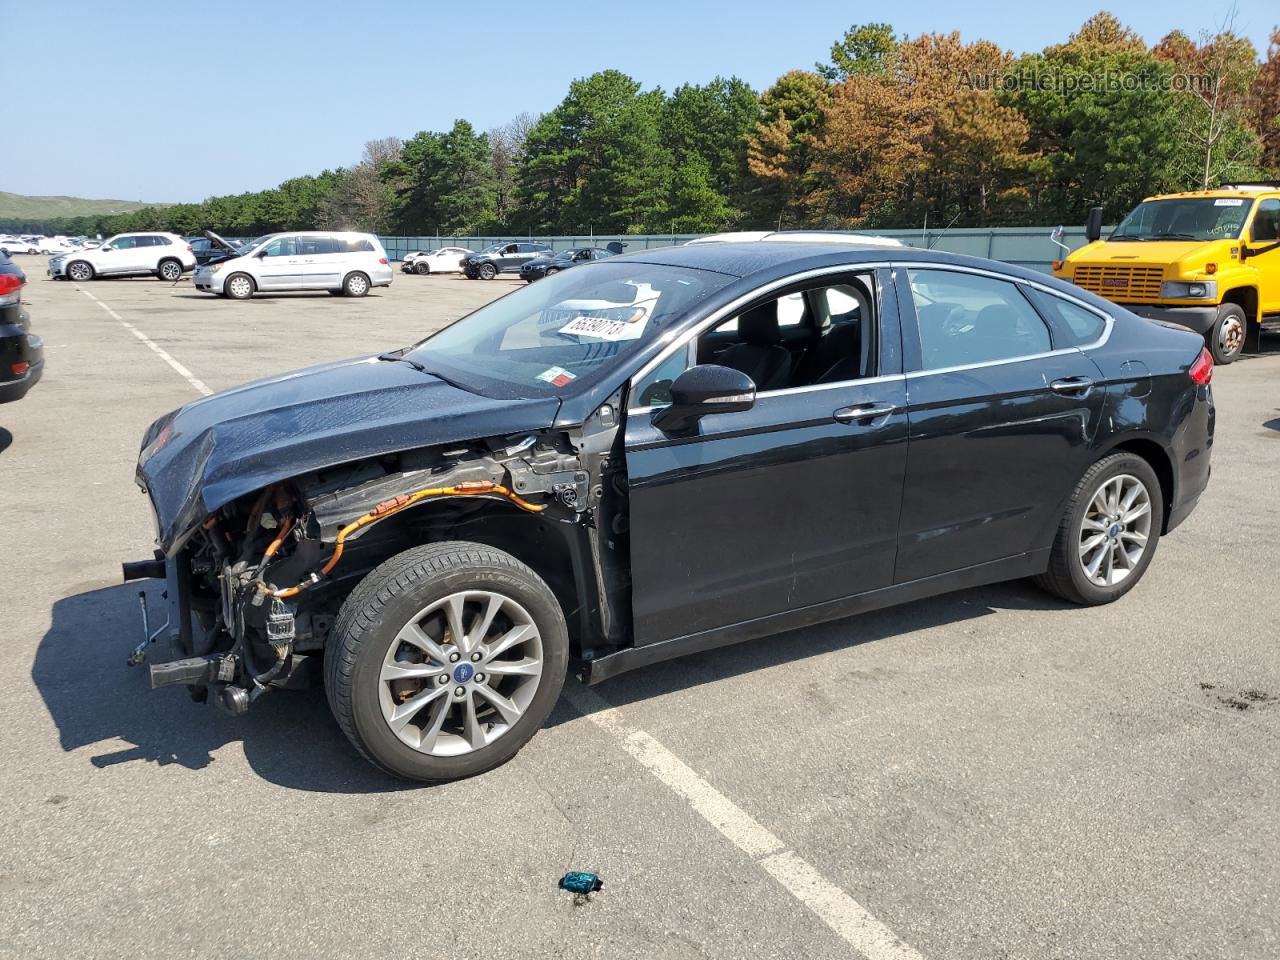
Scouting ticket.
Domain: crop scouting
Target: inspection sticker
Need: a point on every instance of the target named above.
(1229, 202)
(599, 328)
(556, 376)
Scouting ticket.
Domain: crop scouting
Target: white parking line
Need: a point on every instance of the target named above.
(160, 351)
(847, 918)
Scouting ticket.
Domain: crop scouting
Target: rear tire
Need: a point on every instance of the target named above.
(238, 286)
(467, 720)
(1227, 335)
(421, 269)
(1113, 519)
(170, 270)
(355, 284)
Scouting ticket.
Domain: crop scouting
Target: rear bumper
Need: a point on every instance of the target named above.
(1191, 451)
(1199, 319)
(11, 390)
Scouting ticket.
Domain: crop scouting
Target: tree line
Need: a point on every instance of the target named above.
(891, 131)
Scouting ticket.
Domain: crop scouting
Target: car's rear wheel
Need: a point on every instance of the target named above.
(1226, 337)
(446, 660)
(238, 286)
(421, 268)
(170, 270)
(488, 271)
(1108, 532)
(79, 270)
(355, 285)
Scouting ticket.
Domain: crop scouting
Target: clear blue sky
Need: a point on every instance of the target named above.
(140, 100)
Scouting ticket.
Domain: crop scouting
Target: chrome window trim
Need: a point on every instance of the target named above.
(728, 310)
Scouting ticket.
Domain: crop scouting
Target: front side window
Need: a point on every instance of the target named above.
(122, 243)
(282, 247)
(967, 318)
(1266, 222)
(566, 332)
(1184, 218)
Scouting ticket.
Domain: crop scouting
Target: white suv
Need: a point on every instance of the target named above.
(342, 263)
(165, 255)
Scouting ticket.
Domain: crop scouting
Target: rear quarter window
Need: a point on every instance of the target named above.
(1073, 325)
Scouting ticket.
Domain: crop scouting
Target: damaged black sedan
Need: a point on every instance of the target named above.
(653, 455)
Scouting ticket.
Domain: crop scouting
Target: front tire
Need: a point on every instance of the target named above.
(170, 270)
(355, 285)
(238, 286)
(1108, 534)
(1227, 335)
(488, 271)
(79, 271)
(421, 269)
(445, 660)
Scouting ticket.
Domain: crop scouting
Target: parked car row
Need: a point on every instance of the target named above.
(34, 244)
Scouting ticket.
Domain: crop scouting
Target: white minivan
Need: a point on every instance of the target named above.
(340, 262)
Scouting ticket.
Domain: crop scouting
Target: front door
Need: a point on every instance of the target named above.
(124, 256)
(1001, 422)
(1265, 232)
(789, 504)
(279, 265)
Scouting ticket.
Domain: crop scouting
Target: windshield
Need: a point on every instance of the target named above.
(1185, 218)
(494, 248)
(251, 245)
(566, 332)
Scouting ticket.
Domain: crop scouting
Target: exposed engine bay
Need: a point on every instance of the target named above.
(254, 591)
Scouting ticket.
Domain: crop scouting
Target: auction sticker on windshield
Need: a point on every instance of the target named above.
(556, 376)
(601, 328)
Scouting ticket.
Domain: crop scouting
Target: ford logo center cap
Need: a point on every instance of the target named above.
(462, 673)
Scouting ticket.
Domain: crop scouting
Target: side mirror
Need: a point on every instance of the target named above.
(106, 248)
(1056, 234)
(261, 253)
(1093, 225)
(704, 390)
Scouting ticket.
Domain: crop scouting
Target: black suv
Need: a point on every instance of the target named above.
(21, 352)
(506, 257)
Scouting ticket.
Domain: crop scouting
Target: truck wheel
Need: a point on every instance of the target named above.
(445, 660)
(1226, 337)
(1108, 532)
(421, 268)
(488, 271)
(170, 270)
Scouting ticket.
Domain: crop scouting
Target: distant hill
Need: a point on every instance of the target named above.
(15, 206)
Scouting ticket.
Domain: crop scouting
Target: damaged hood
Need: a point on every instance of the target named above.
(206, 454)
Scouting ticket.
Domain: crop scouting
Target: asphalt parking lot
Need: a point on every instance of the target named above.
(989, 774)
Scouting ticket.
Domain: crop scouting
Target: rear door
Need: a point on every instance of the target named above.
(279, 267)
(324, 260)
(1002, 420)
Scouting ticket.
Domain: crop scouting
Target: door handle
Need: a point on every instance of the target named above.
(863, 412)
(1072, 386)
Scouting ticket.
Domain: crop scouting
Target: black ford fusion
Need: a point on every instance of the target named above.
(21, 352)
(550, 264)
(663, 453)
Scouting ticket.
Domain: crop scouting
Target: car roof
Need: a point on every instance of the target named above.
(1248, 191)
(799, 236)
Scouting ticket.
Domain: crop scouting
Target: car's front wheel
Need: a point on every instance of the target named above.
(446, 660)
(1108, 532)
(79, 271)
(488, 271)
(421, 268)
(238, 286)
(1226, 337)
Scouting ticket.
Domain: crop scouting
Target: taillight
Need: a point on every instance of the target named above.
(10, 288)
(190, 248)
(1201, 372)
(20, 368)
(384, 261)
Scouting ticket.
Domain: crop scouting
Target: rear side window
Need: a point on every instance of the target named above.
(967, 318)
(1073, 325)
(308, 246)
(160, 241)
(359, 245)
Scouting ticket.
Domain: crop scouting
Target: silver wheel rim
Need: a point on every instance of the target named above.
(460, 673)
(239, 287)
(1231, 336)
(487, 272)
(170, 271)
(1116, 530)
(79, 271)
(357, 286)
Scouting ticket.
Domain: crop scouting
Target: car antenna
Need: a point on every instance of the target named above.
(944, 230)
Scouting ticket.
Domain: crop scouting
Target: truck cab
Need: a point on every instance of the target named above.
(1208, 260)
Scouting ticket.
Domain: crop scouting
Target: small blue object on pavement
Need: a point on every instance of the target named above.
(580, 883)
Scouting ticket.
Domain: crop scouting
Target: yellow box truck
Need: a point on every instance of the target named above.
(1208, 260)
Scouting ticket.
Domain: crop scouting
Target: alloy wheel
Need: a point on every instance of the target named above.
(80, 271)
(170, 270)
(1115, 531)
(460, 673)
